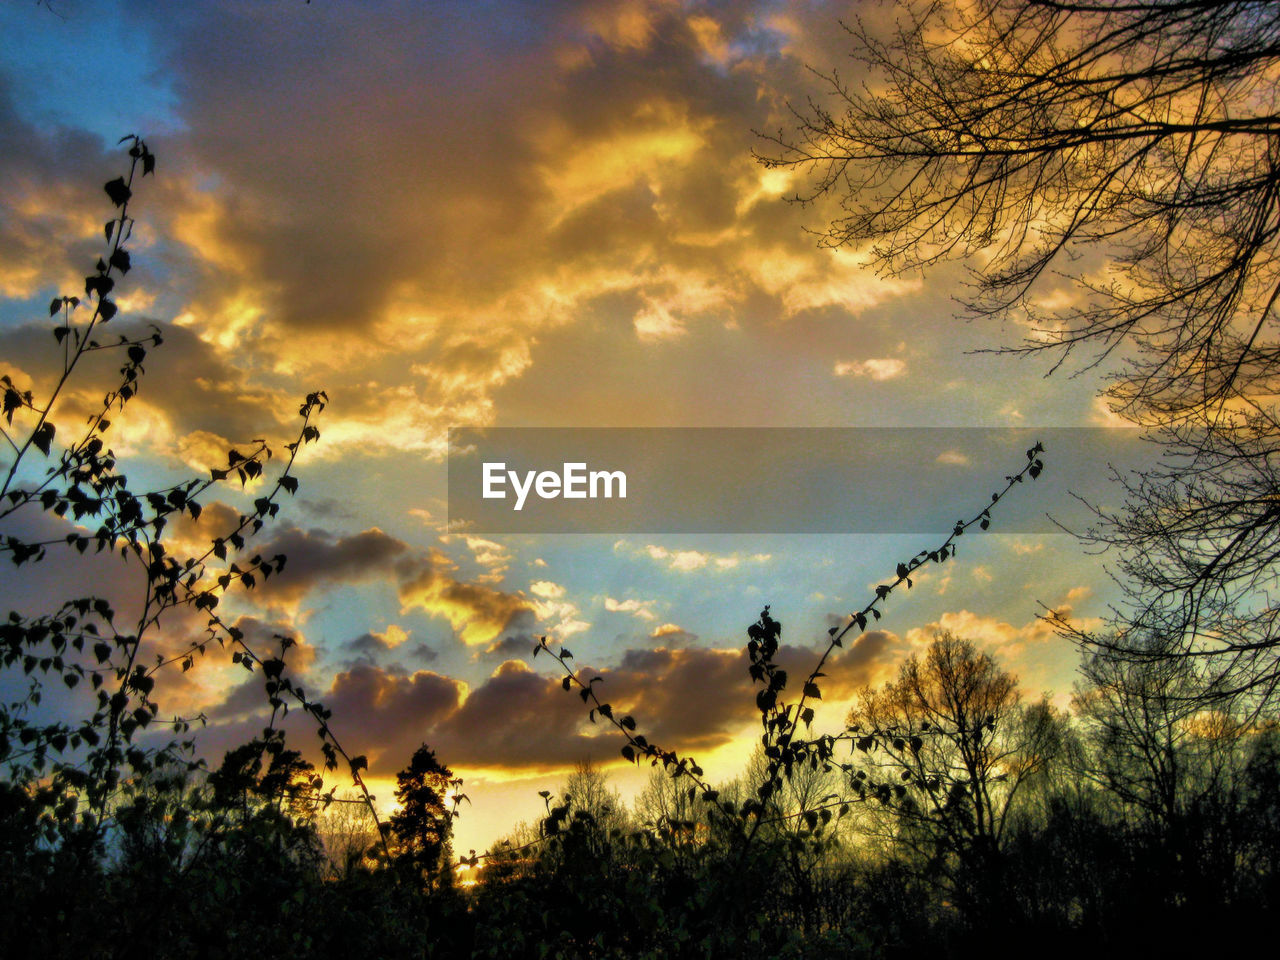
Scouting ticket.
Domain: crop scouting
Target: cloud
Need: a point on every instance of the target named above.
(52, 181)
(637, 608)
(512, 646)
(372, 643)
(317, 557)
(546, 590)
(885, 368)
(385, 715)
(190, 399)
(422, 652)
(590, 165)
(997, 635)
(701, 698)
(491, 555)
(685, 561)
(477, 612)
(655, 322)
(519, 719)
(693, 699)
(673, 634)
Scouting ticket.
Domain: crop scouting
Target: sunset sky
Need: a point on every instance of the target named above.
(502, 214)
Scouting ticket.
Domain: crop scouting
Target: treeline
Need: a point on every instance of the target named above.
(960, 818)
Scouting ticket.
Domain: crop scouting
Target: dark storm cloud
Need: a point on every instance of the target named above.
(686, 700)
(317, 557)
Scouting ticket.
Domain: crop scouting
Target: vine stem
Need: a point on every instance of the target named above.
(780, 733)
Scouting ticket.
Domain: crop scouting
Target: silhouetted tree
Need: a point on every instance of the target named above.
(1197, 544)
(1156, 747)
(1037, 130)
(1179, 772)
(948, 747)
(423, 825)
(262, 783)
(1113, 170)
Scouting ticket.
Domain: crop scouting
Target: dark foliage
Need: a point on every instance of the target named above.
(422, 826)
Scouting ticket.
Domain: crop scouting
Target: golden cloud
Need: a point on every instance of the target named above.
(477, 613)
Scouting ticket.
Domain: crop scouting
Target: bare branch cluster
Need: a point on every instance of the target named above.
(1110, 175)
